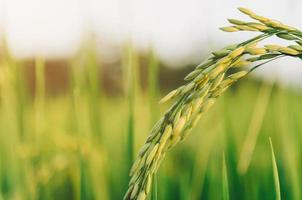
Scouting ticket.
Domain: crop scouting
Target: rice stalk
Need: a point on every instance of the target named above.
(95, 90)
(14, 102)
(79, 127)
(130, 67)
(204, 85)
(18, 86)
(153, 93)
(39, 97)
(275, 171)
(153, 89)
(154, 184)
(225, 182)
(201, 161)
(9, 159)
(254, 129)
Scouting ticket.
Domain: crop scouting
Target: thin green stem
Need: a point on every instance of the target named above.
(95, 92)
(39, 97)
(153, 88)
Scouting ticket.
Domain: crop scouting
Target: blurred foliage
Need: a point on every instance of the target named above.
(76, 145)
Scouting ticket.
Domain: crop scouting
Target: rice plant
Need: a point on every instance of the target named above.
(204, 85)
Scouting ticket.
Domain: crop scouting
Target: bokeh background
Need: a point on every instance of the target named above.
(79, 86)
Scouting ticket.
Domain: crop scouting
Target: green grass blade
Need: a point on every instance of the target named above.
(153, 86)
(225, 182)
(39, 97)
(130, 68)
(254, 128)
(79, 128)
(154, 189)
(93, 71)
(275, 171)
(201, 162)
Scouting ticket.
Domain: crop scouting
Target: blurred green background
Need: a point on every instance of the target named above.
(80, 82)
(69, 129)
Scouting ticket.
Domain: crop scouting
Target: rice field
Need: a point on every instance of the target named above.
(77, 145)
(81, 143)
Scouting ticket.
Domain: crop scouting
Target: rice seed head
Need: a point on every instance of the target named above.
(218, 70)
(256, 51)
(253, 59)
(128, 193)
(205, 65)
(259, 26)
(231, 47)
(153, 166)
(207, 83)
(246, 28)
(169, 96)
(200, 77)
(235, 62)
(186, 133)
(267, 56)
(160, 151)
(151, 154)
(193, 74)
(204, 91)
(286, 36)
(273, 23)
(134, 191)
(289, 51)
(196, 120)
(236, 22)
(208, 104)
(299, 42)
(179, 126)
(229, 29)
(217, 81)
(141, 196)
(241, 63)
(296, 47)
(144, 149)
(227, 82)
(246, 11)
(152, 136)
(238, 75)
(216, 93)
(135, 166)
(188, 111)
(203, 82)
(221, 53)
(260, 18)
(224, 60)
(174, 141)
(196, 105)
(166, 135)
(133, 179)
(188, 87)
(272, 47)
(176, 117)
(148, 184)
(159, 161)
(237, 52)
(287, 28)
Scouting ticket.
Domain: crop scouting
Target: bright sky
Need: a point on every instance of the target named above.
(180, 31)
